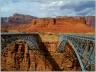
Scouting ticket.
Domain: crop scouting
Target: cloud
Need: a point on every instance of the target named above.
(47, 8)
(87, 12)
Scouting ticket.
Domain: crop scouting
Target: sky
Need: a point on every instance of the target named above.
(47, 8)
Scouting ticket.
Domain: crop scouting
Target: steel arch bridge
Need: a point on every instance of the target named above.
(84, 47)
(29, 38)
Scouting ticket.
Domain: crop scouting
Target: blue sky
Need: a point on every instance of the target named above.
(48, 8)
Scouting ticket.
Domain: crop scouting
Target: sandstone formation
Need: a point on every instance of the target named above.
(23, 23)
(90, 21)
(16, 56)
(17, 19)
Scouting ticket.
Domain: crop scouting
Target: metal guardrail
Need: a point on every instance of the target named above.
(18, 33)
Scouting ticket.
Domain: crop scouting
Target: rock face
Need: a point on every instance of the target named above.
(90, 21)
(18, 57)
(17, 19)
(20, 23)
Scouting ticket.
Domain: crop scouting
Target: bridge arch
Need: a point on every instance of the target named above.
(83, 47)
(79, 59)
(61, 48)
(32, 44)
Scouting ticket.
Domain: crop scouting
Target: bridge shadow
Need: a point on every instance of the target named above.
(46, 53)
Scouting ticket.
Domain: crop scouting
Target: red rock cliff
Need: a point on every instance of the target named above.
(59, 24)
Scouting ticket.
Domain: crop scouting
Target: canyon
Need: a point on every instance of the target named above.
(17, 56)
(19, 50)
(47, 52)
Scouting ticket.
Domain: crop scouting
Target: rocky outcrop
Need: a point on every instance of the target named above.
(58, 20)
(17, 19)
(90, 20)
(20, 23)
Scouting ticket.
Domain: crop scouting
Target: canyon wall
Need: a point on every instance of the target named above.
(19, 23)
(18, 57)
